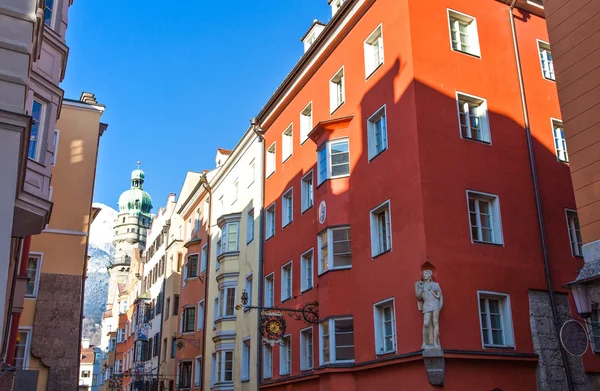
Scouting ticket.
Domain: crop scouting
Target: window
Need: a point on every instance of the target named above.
(250, 226)
(374, 51)
(185, 374)
(223, 366)
(574, 233)
(191, 267)
(473, 118)
(560, 143)
(248, 288)
(38, 115)
(206, 208)
(271, 160)
(484, 215)
(56, 138)
(336, 90)
(227, 299)
(229, 238)
(333, 160)
(335, 250)
(306, 349)
(164, 350)
(307, 191)
(377, 133)
(270, 223)
(48, 11)
(197, 220)
(216, 312)
(287, 213)
(175, 304)
(269, 290)
(22, 349)
(245, 369)
(251, 172)
(306, 122)
(381, 229)
(188, 318)
(34, 265)
(286, 281)
(198, 372)
(85, 373)
(267, 361)
(94, 380)
(495, 318)
(203, 258)
(463, 33)
(546, 60)
(236, 188)
(200, 315)
(337, 340)
(285, 356)
(306, 270)
(287, 143)
(173, 347)
(385, 327)
(167, 308)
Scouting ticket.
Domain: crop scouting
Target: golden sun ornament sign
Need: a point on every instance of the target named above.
(273, 326)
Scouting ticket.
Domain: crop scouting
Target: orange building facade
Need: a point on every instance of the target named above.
(423, 137)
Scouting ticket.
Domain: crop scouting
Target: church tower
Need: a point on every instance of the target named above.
(133, 219)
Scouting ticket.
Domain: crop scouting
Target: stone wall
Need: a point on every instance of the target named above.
(550, 371)
(55, 337)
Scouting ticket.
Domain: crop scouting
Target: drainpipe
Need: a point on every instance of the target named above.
(538, 200)
(208, 189)
(261, 243)
(162, 314)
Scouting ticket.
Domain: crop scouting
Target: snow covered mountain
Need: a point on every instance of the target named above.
(101, 251)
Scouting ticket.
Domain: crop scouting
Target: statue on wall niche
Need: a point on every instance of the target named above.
(430, 301)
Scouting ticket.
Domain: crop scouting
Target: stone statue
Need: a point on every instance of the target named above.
(430, 301)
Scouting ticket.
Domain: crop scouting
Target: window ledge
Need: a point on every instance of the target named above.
(244, 380)
(476, 140)
(250, 241)
(187, 332)
(283, 301)
(373, 71)
(269, 175)
(371, 158)
(506, 347)
(288, 223)
(332, 178)
(381, 253)
(385, 353)
(286, 159)
(307, 289)
(335, 269)
(488, 243)
(478, 56)
(338, 106)
(228, 254)
(191, 278)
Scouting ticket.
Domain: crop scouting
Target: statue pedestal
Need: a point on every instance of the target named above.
(434, 365)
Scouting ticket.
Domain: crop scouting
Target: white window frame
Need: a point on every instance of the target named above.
(329, 174)
(482, 116)
(332, 346)
(378, 245)
(203, 259)
(41, 128)
(543, 48)
(183, 319)
(287, 143)
(378, 310)
(245, 367)
(53, 12)
(250, 225)
(372, 121)
(36, 287)
(252, 171)
(187, 264)
(287, 207)
(56, 141)
(27, 352)
(562, 154)
(575, 239)
(335, 101)
(236, 190)
(224, 293)
(271, 159)
(200, 315)
(305, 348)
(285, 354)
(248, 287)
(307, 281)
(267, 361)
(307, 196)
(472, 33)
(219, 359)
(269, 289)
(506, 316)
(373, 46)
(197, 371)
(330, 249)
(270, 221)
(225, 242)
(306, 122)
(285, 289)
(495, 215)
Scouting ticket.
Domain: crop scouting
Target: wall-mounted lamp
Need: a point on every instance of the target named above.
(581, 298)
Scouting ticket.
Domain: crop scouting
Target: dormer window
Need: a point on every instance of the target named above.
(336, 5)
(312, 34)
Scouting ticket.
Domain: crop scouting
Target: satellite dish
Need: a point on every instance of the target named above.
(574, 338)
(179, 345)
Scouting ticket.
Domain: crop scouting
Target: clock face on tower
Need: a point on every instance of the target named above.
(322, 212)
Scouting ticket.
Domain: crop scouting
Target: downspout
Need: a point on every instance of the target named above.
(206, 276)
(261, 243)
(162, 314)
(538, 200)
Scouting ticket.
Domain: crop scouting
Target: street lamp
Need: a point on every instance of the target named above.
(581, 298)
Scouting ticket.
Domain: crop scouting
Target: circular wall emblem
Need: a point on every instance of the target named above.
(322, 212)
(574, 338)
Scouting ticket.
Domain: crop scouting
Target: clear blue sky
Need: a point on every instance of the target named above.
(179, 79)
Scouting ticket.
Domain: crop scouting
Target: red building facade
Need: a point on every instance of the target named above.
(409, 151)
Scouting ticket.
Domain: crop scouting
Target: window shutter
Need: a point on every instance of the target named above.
(380, 47)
